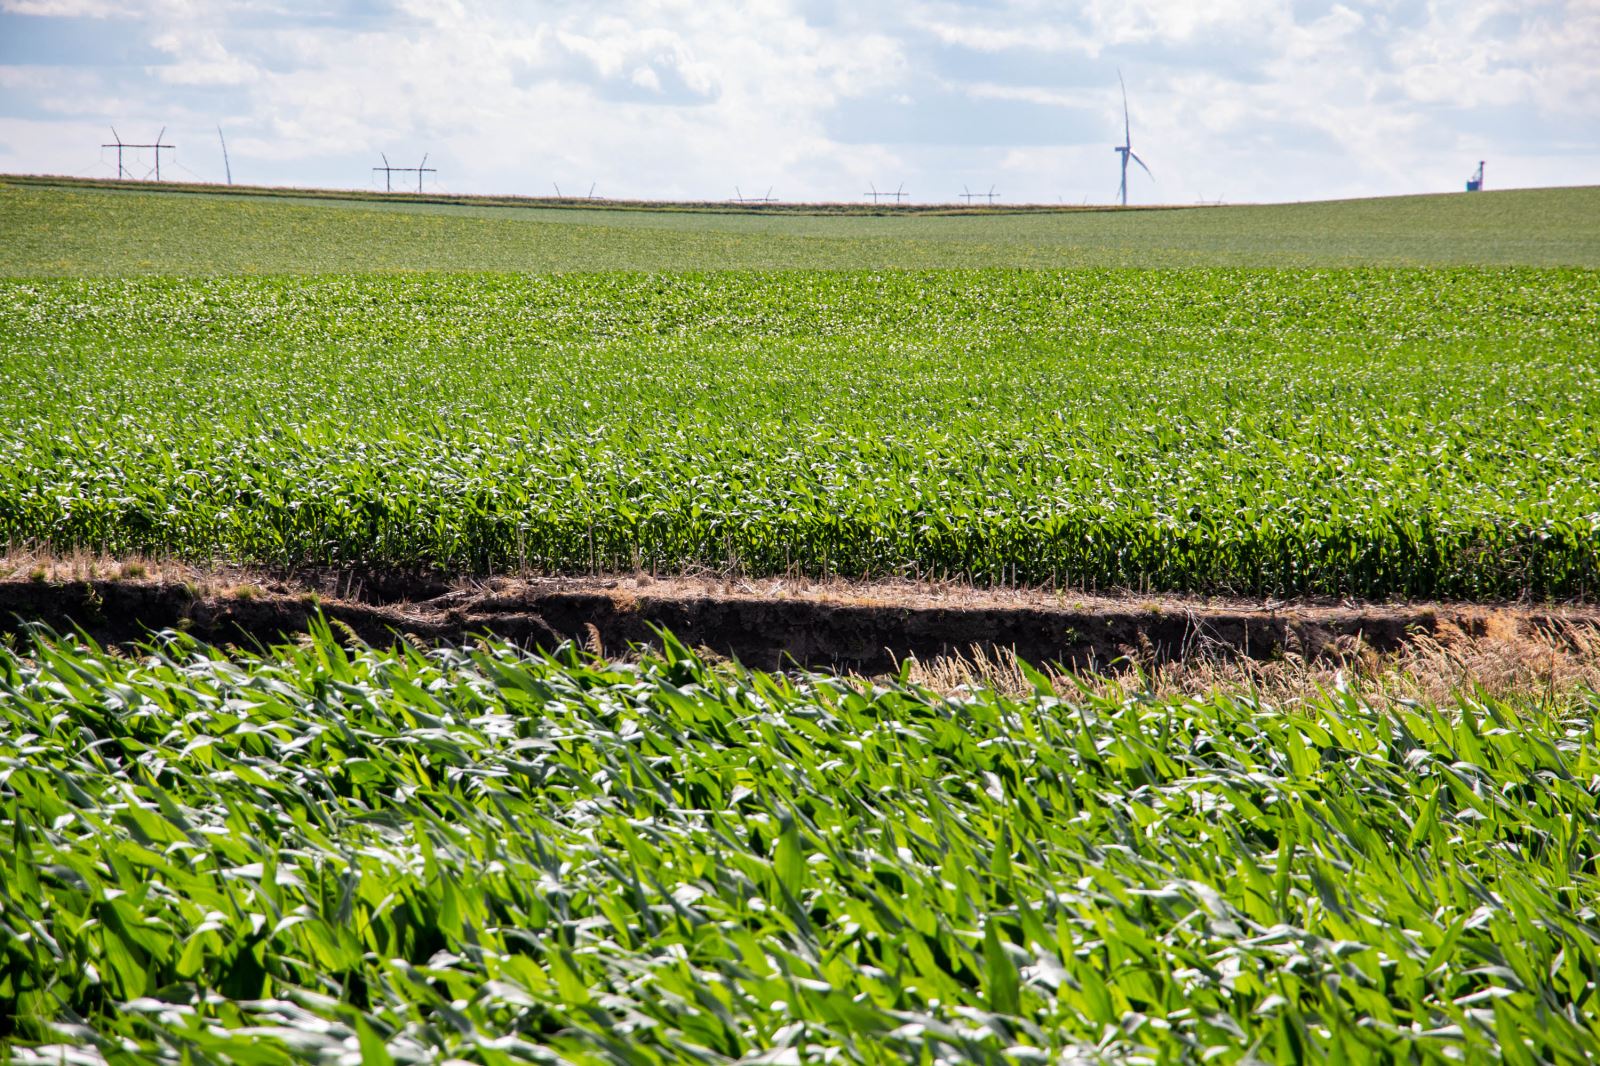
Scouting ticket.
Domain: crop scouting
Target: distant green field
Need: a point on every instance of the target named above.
(82, 230)
(1371, 432)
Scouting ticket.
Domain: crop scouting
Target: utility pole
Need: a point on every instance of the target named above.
(970, 196)
(389, 172)
(119, 144)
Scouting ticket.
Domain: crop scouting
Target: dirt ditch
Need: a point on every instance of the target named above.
(867, 628)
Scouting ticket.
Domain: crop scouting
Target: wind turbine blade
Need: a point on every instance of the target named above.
(1127, 134)
(424, 161)
(385, 159)
(160, 135)
(227, 167)
(1136, 159)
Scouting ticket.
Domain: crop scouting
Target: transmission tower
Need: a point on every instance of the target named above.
(389, 172)
(897, 196)
(120, 145)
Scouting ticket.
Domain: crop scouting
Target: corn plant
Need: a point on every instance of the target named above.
(1370, 432)
(473, 855)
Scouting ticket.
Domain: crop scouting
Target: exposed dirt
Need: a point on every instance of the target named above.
(867, 628)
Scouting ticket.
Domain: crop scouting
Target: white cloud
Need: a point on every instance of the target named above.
(1240, 99)
(1096, 26)
(1491, 53)
(986, 38)
(1120, 22)
(1032, 94)
(198, 57)
(62, 8)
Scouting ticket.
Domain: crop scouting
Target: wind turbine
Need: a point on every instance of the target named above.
(1125, 149)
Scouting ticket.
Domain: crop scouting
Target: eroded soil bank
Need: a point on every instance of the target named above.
(770, 623)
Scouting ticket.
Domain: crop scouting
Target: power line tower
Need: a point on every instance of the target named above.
(897, 196)
(741, 198)
(389, 172)
(968, 195)
(120, 145)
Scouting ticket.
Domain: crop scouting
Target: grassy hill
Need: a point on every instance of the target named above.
(59, 227)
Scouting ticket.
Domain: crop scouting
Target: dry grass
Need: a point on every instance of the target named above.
(82, 565)
(1509, 660)
(1552, 651)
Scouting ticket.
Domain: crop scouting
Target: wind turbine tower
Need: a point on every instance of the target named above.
(1125, 149)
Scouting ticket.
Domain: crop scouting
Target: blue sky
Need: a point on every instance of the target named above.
(1235, 100)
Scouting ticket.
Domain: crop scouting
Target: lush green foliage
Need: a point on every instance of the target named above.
(480, 855)
(1374, 432)
(54, 230)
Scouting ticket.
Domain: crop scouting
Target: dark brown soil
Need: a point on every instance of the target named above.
(861, 627)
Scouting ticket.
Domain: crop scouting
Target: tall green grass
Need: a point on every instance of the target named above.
(1379, 433)
(476, 856)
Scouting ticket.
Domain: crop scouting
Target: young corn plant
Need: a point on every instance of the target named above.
(1380, 433)
(345, 854)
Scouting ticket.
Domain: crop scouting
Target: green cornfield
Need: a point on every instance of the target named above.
(1371, 432)
(327, 852)
(345, 855)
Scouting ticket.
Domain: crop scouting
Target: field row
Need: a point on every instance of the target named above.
(475, 855)
(1380, 433)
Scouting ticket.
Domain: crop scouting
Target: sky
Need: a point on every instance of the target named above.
(1230, 100)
